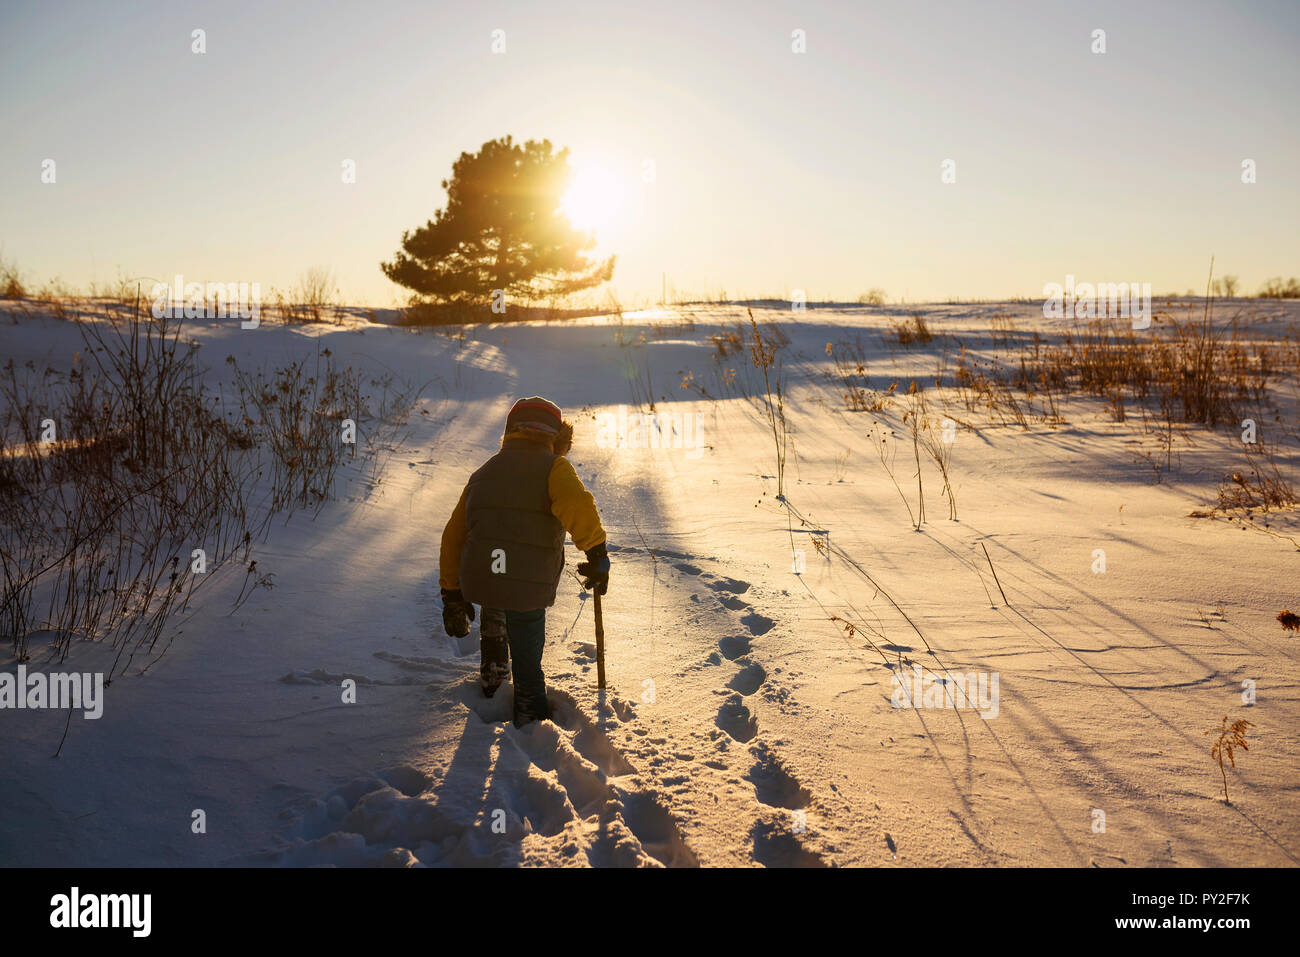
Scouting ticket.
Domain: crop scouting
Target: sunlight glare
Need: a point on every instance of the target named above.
(593, 199)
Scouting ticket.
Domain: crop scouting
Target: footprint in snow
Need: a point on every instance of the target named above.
(735, 719)
(748, 679)
(733, 585)
(773, 784)
(733, 646)
(776, 847)
(665, 553)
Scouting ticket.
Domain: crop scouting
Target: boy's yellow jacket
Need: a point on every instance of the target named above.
(571, 504)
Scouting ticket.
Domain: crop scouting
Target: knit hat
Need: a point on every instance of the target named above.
(534, 414)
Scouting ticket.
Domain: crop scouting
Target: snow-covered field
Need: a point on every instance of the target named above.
(741, 725)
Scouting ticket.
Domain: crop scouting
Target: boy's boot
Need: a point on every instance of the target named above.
(527, 633)
(494, 650)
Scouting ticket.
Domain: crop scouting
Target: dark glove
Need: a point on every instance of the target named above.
(594, 572)
(457, 613)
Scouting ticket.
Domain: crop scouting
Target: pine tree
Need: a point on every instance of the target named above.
(502, 229)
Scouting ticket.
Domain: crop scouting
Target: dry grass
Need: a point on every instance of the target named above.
(728, 343)
(1191, 372)
(1230, 738)
(850, 361)
(765, 347)
(880, 436)
(133, 464)
(11, 281)
(123, 509)
(311, 300)
(914, 330)
(1260, 488)
(937, 444)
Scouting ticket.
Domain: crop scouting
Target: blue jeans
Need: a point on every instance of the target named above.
(526, 631)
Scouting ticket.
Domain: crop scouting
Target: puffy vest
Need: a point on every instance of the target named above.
(514, 547)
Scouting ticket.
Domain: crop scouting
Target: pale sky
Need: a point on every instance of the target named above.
(774, 170)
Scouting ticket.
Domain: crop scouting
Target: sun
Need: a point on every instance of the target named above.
(593, 199)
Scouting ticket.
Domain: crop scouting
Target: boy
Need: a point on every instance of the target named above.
(503, 548)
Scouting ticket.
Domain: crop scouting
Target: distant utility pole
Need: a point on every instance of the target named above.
(663, 290)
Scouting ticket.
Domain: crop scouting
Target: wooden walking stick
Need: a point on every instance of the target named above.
(600, 645)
